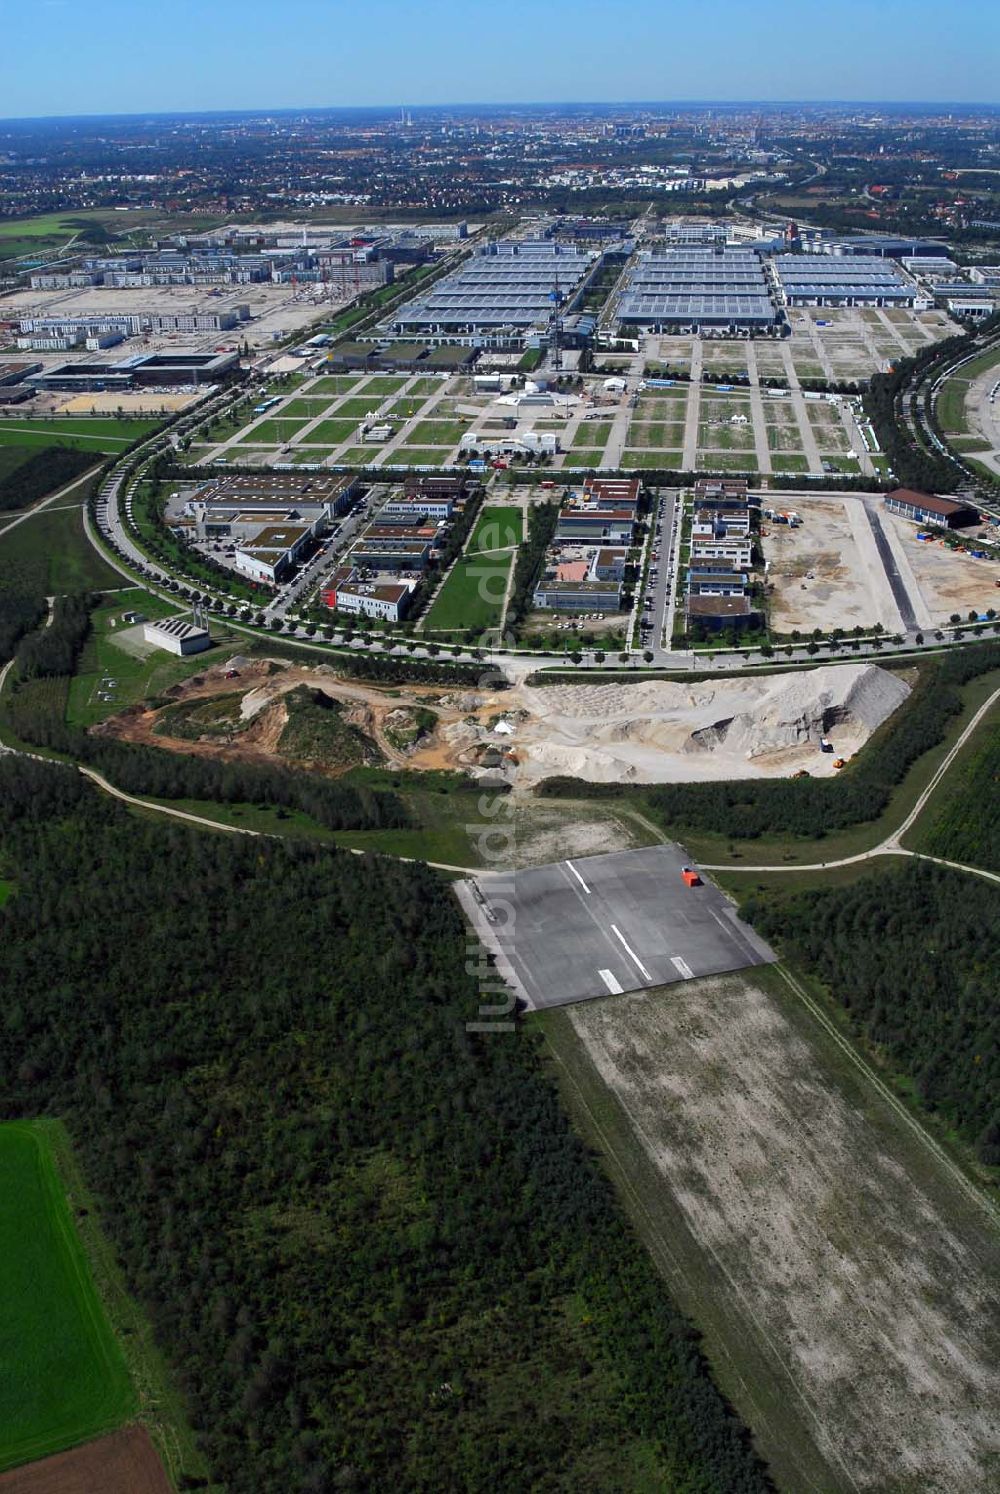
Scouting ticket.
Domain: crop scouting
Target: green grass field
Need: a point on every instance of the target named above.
(789, 462)
(950, 403)
(655, 435)
(726, 461)
(136, 677)
(303, 408)
(472, 596)
(332, 432)
(585, 456)
(272, 432)
(421, 456)
(592, 433)
(357, 408)
(650, 459)
(436, 433)
(499, 527)
(88, 434)
(63, 1377)
(57, 535)
(383, 384)
(332, 384)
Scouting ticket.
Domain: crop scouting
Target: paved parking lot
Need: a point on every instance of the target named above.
(574, 930)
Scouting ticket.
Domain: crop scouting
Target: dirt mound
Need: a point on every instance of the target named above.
(660, 731)
(800, 709)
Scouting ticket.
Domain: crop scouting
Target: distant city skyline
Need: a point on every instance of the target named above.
(113, 57)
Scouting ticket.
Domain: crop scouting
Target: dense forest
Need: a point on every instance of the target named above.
(47, 470)
(55, 650)
(914, 957)
(962, 821)
(372, 1248)
(745, 809)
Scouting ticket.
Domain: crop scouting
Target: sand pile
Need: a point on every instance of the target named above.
(660, 731)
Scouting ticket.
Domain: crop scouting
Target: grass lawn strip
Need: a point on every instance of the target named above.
(472, 595)
(499, 527)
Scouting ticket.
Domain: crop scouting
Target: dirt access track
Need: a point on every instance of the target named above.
(126, 1462)
(844, 1274)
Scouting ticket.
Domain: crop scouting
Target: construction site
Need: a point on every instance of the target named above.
(642, 732)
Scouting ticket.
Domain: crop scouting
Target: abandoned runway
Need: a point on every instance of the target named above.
(575, 930)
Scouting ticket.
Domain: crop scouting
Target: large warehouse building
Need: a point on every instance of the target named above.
(693, 288)
(928, 508)
(851, 281)
(498, 297)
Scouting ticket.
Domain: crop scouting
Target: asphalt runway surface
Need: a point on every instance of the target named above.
(599, 925)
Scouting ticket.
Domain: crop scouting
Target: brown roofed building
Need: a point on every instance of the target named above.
(927, 508)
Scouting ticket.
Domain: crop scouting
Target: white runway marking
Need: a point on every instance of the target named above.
(610, 981)
(682, 966)
(578, 876)
(629, 950)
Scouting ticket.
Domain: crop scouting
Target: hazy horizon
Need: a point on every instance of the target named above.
(111, 59)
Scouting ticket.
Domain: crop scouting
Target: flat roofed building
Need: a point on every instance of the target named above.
(498, 295)
(700, 566)
(807, 281)
(415, 506)
(612, 492)
(308, 489)
(386, 600)
(972, 309)
(724, 494)
(609, 564)
(375, 554)
(435, 485)
(596, 523)
(715, 613)
(177, 636)
(270, 553)
(927, 508)
(14, 370)
(578, 596)
(739, 552)
(717, 583)
(721, 288)
(148, 370)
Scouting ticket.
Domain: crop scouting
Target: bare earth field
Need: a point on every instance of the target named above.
(948, 582)
(126, 1462)
(831, 1248)
(826, 573)
(139, 402)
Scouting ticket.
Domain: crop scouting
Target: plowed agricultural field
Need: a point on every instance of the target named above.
(124, 1463)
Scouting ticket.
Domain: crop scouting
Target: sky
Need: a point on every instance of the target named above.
(133, 56)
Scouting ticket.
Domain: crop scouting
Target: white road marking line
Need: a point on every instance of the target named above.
(578, 876)
(629, 950)
(610, 981)
(682, 966)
